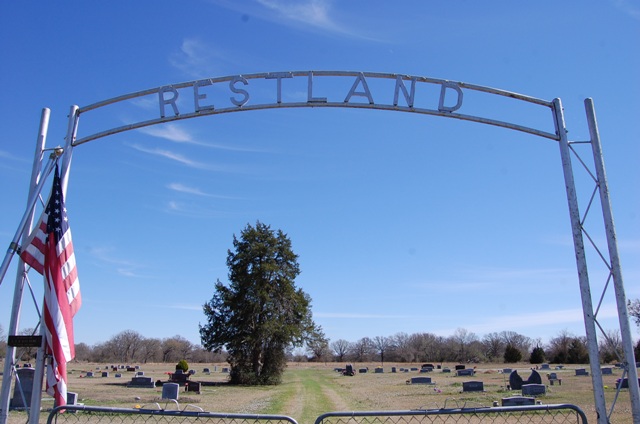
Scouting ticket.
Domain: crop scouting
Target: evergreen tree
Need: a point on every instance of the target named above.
(512, 354)
(537, 355)
(261, 312)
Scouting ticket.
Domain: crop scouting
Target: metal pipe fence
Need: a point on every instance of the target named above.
(534, 414)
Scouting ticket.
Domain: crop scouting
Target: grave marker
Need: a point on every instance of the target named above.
(170, 391)
(25, 376)
(534, 389)
(473, 386)
(518, 401)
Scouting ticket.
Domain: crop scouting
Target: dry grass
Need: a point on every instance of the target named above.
(308, 390)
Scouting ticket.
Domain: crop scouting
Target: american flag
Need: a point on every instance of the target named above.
(50, 252)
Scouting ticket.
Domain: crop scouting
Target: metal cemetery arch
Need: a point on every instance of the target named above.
(409, 94)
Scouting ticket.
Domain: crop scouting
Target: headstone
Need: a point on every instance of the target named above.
(72, 398)
(414, 369)
(393, 369)
(421, 380)
(445, 369)
(193, 386)
(105, 373)
(137, 367)
(406, 370)
(607, 371)
(545, 367)
(507, 371)
(179, 378)
(516, 382)
(89, 374)
(192, 372)
(146, 382)
(438, 366)
(379, 370)
(225, 370)
(518, 401)
(553, 377)
(533, 389)
(206, 371)
(460, 367)
(118, 375)
(582, 371)
(473, 386)
(465, 372)
(131, 369)
(624, 383)
(140, 373)
(25, 376)
(362, 370)
(170, 391)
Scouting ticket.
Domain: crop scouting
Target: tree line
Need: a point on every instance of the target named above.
(466, 347)
(463, 346)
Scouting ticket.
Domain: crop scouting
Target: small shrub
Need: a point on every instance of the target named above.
(182, 365)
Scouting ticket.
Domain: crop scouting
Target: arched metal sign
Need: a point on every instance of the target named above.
(362, 90)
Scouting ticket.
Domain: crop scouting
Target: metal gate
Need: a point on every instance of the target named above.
(556, 414)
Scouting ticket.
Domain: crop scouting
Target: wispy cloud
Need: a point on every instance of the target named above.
(169, 132)
(481, 278)
(535, 319)
(123, 267)
(173, 156)
(181, 188)
(630, 8)
(197, 59)
(186, 307)
(178, 134)
(307, 15)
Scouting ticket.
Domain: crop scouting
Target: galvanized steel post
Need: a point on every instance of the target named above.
(34, 188)
(581, 262)
(616, 269)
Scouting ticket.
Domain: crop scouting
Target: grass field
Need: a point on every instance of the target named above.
(309, 390)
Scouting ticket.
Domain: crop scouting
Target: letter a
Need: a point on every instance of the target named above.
(366, 93)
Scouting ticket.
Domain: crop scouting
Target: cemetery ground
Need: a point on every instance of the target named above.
(311, 389)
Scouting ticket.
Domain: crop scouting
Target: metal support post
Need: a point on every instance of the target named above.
(616, 269)
(35, 186)
(581, 262)
(34, 416)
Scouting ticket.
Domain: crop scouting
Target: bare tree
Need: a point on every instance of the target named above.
(461, 339)
(340, 349)
(176, 348)
(362, 350)
(610, 347)
(403, 348)
(126, 345)
(558, 348)
(382, 345)
(150, 350)
(493, 346)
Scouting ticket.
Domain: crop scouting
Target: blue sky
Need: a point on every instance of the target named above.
(402, 222)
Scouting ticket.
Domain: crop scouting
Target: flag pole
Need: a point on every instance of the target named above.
(35, 187)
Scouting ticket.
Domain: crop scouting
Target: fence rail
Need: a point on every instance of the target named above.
(534, 414)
